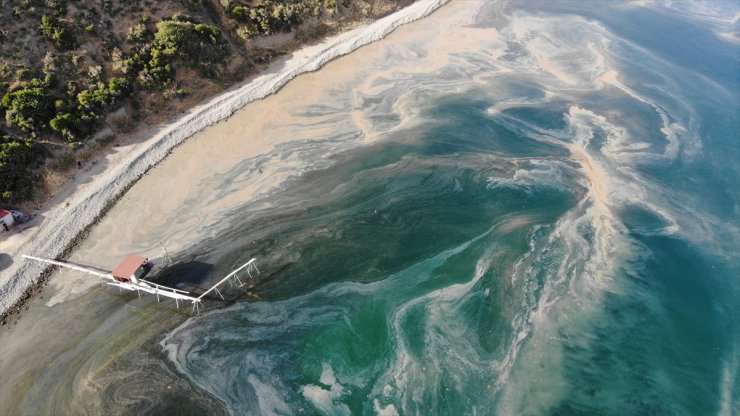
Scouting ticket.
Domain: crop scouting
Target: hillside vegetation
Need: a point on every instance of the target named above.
(76, 76)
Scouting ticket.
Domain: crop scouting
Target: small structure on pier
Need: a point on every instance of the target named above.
(130, 273)
(132, 268)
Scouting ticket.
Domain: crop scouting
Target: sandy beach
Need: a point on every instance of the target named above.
(60, 225)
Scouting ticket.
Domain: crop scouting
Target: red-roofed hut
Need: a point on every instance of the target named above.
(131, 269)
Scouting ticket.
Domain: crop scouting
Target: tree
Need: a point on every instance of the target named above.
(210, 32)
(182, 37)
(270, 16)
(55, 31)
(174, 37)
(17, 158)
(28, 108)
(137, 34)
(66, 124)
(103, 95)
(118, 87)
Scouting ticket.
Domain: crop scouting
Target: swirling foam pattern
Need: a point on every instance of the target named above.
(541, 219)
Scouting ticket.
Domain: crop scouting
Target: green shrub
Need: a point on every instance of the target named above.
(198, 45)
(67, 125)
(17, 160)
(55, 31)
(156, 73)
(118, 87)
(28, 108)
(137, 34)
(180, 38)
(210, 32)
(271, 16)
(103, 95)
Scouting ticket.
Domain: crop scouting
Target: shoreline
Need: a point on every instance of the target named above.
(57, 236)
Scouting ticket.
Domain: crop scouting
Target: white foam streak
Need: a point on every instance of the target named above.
(729, 406)
(326, 401)
(389, 410)
(589, 241)
(415, 376)
(560, 57)
(533, 173)
(269, 399)
(721, 15)
(672, 130)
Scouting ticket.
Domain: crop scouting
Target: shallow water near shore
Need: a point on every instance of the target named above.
(506, 208)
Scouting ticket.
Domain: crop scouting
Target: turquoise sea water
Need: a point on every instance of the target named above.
(538, 214)
(537, 242)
